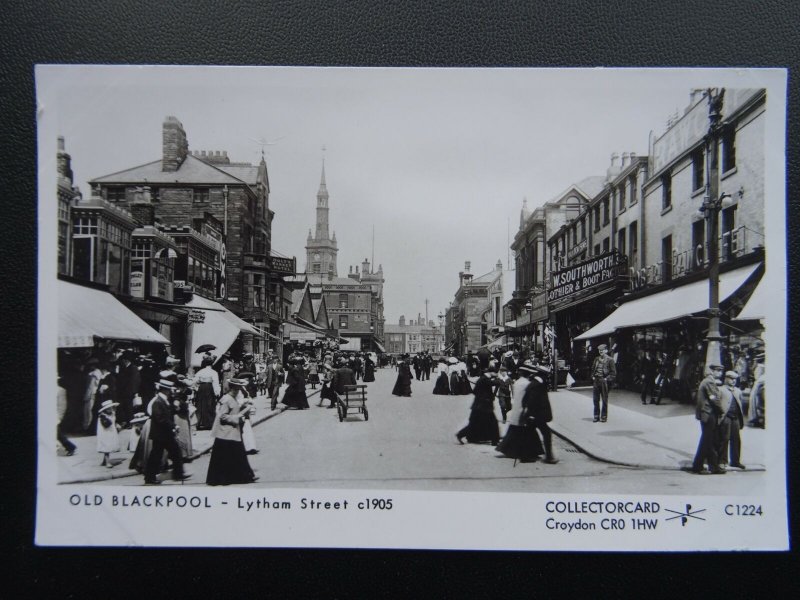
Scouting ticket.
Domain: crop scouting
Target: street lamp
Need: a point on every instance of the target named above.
(529, 310)
(713, 203)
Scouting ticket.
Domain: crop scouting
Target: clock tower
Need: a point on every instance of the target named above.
(321, 249)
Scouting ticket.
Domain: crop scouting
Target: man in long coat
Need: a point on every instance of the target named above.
(162, 434)
(709, 412)
(128, 381)
(604, 371)
(733, 422)
(539, 413)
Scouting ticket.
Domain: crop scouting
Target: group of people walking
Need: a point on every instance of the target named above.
(524, 402)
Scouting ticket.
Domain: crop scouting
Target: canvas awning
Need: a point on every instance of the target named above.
(756, 306)
(497, 343)
(669, 305)
(85, 314)
(220, 327)
(379, 346)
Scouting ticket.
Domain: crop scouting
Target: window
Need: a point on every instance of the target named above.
(606, 212)
(115, 193)
(597, 218)
(315, 268)
(606, 244)
(728, 225)
(575, 235)
(666, 259)
(343, 321)
(342, 300)
(621, 241)
(728, 149)
(256, 295)
(666, 191)
(632, 184)
(698, 244)
(633, 243)
(596, 249)
(583, 229)
(621, 196)
(82, 251)
(155, 194)
(698, 170)
(200, 195)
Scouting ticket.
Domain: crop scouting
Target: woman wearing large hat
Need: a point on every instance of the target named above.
(442, 386)
(521, 441)
(482, 425)
(228, 462)
(295, 395)
(208, 390)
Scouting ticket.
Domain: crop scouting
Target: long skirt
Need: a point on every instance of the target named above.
(142, 452)
(482, 427)
(442, 386)
(521, 442)
(206, 403)
(402, 386)
(464, 386)
(369, 373)
(295, 398)
(228, 464)
(455, 386)
(326, 393)
(184, 436)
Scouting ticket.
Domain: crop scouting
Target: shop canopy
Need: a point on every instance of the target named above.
(220, 327)
(756, 306)
(497, 343)
(379, 346)
(669, 305)
(85, 314)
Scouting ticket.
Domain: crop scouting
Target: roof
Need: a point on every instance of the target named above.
(191, 170)
(247, 173)
(315, 304)
(486, 278)
(297, 299)
(591, 186)
(322, 279)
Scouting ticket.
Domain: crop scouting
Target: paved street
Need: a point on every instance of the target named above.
(409, 443)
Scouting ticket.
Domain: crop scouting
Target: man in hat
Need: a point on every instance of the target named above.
(604, 371)
(272, 381)
(342, 377)
(731, 399)
(709, 412)
(128, 381)
(537, 403)
(162, 434)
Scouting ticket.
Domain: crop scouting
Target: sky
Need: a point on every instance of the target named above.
(437, 161)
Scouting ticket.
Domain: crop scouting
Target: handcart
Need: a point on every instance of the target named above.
(353, 400)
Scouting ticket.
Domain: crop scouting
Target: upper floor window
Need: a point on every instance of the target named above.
(597, 218)
(343, 321)
(574, 236)
(728, 149)
(666, 191)
(606, 212)
(634, 192)
(342, 300)
(583, 229)
(621, 197)
(200, 194)
(698, 170)
(666, 259)
(115, 193)
(621, 240)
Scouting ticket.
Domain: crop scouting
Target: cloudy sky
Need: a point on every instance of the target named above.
(438, 161)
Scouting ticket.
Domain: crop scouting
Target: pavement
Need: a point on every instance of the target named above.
(648, 436)
(652, 436)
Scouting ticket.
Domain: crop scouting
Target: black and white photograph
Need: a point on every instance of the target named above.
(445, 308)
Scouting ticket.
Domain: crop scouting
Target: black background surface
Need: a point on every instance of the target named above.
(468, 34)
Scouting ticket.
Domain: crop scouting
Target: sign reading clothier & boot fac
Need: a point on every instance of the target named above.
(589, 275)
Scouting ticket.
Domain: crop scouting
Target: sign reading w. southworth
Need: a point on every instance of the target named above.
(588, 275)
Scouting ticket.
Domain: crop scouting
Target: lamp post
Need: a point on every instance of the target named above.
(529, 310)
(713, 203)
(371, 335)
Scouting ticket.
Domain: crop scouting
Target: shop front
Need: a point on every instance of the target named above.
(578, 296)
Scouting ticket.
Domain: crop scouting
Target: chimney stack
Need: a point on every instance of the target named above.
(175, 147)
(141, 207)
(64, 160)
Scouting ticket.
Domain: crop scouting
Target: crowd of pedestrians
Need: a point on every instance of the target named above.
(155, 405)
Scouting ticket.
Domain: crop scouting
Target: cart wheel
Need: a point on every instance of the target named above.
(366, 415)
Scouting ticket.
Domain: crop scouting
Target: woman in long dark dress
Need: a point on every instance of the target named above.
(521, 441)
(402, 386)
(442, 386)
(369, 369)
(482, 426)
(228, 463)
(208, 390)
(295, 396)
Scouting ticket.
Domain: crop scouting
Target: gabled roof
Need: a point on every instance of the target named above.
(486, 278)
(192, 170)
(247, 173)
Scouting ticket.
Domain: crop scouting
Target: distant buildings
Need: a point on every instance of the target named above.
(414, 337)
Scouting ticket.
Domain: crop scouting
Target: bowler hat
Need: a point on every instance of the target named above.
(732, 374)
(715, 366)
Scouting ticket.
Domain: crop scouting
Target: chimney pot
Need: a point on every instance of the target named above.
(61, 143)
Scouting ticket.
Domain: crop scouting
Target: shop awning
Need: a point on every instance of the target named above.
(756, 306)
(85, 314)
(220, 327)
(498, 343)
(669, 305)
(379, 346)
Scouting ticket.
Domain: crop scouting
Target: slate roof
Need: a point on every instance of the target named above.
(192, 171)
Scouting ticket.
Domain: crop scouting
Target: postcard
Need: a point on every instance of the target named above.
(428, 308)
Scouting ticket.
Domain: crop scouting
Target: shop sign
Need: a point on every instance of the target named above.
(302, 336)
(588, 275)
(179, 284)
(539, 308)
(197, 316)
(576, 250)
(137, 284)
(283, 265)
(222, 287)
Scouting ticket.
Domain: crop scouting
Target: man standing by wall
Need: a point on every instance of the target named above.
(604, 371)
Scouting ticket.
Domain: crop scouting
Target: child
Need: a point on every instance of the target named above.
(107, 434)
